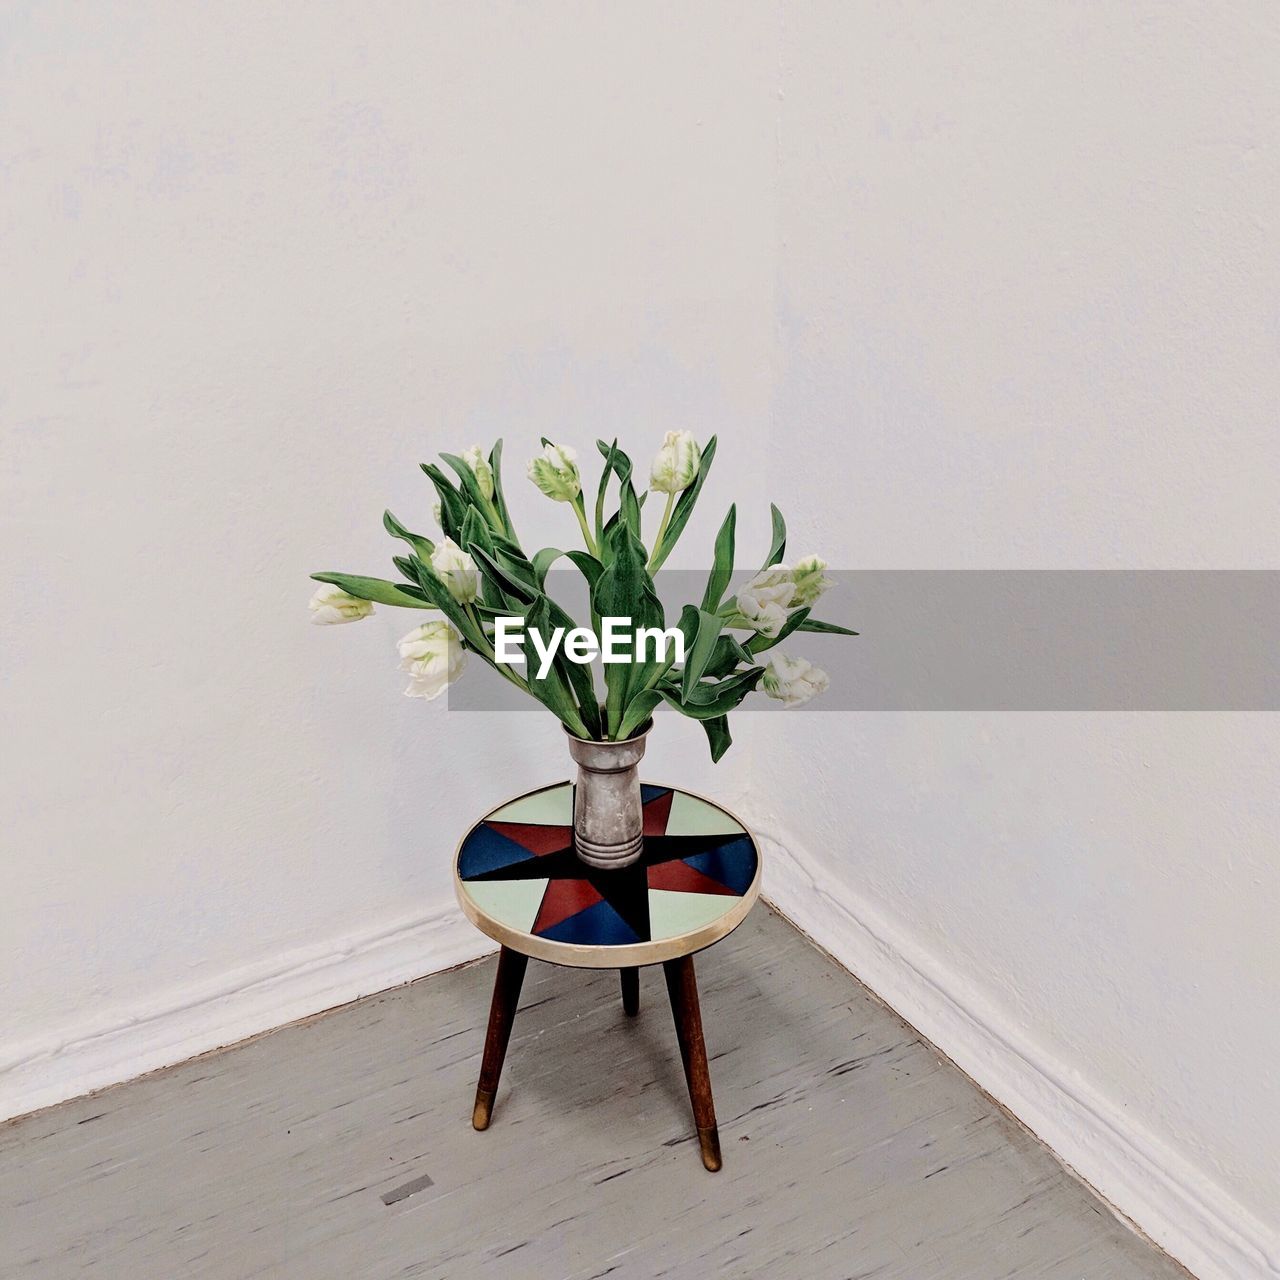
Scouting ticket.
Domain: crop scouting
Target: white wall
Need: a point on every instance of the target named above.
(1005, 272)
(258, 262)
(1027, 309)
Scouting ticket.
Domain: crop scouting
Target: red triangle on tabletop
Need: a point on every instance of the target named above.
(564, 898)
(656, 813)
(535, 838)
(683, 878)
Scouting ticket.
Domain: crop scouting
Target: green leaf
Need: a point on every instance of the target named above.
(513, 586)
(827, 628)
(578, 674)
(542, 562)
(619, 463)
(477, 534)
(515, 562)
(453, 506)
(615, 460)
(684, 506)
(376, 589)
(591, 567)
(759, 643)
(566, 680)
(778, 547)
(625, 590)
(727, 656)
(552, 690)
(629, 510)
(608, 451)
(511, 560)
(715, 698)
(639, 709)
(605, 543)
(722, 567)
(470, 485)
(503, 543)
(476, 531)
(707, 692)
(434, 588)
(706, 629)
(499, 496)
(688, 625)
(405, 565)
(718, 739)
(422, 547)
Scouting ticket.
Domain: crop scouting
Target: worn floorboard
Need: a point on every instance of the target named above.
(342, 1148)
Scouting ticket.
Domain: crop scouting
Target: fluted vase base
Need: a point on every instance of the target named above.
(608, 814)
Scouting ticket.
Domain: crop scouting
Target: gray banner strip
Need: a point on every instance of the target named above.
(1011, 640)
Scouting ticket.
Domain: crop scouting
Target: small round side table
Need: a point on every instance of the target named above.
(519, 881)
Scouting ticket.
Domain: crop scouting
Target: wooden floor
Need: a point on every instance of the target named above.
(341, 1149)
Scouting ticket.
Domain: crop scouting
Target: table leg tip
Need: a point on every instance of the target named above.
(482, 1113)
(709, 1141)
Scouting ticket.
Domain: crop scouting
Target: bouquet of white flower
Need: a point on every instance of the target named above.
(493, 596)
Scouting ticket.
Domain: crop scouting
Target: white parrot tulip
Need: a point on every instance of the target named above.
(555, 472)
(793, 680)
(433, 656)
(331, 605)
(480, 469)
(457, 569)
(675, 466)
(809, 580)
(766, 601)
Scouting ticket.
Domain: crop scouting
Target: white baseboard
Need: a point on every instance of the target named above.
(125, 1043)
(1181, 1209)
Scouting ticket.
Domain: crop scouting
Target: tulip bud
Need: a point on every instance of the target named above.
(480, 469)
(433, 656)
(809, 580)
(766, 600)
(435, 515)
(457, 569)
(676, 464)
(556, 473)
(793, 680)
(331, 605)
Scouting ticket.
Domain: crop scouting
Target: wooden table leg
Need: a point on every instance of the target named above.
(502, 1013)
(682, 987)
(630, 991)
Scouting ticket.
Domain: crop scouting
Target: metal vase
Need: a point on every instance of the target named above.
(608, 818)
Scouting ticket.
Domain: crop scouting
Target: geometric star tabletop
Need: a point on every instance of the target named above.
(519, 881)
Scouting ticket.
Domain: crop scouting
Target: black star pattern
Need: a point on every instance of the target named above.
(626, 889)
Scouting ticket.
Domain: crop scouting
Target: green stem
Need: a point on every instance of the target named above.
(500, 667)
(494, 516)
(580, 512)
(657, 557)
